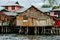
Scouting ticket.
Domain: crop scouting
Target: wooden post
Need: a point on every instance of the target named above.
(42, 30)
(6, 25)
(20, 30)
(2, 26)
(51, 32)
(59, 31)
(38, 31)
(35, 30)
(27, 30)
(6, 29)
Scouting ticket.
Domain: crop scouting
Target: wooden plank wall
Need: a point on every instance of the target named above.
(19, 21)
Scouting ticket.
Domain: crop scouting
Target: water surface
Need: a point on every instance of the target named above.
(28, 37)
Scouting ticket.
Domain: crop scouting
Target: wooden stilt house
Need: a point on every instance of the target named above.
(33, 17)
(56, 14)
(10, 9)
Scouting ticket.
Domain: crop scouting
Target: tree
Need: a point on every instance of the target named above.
(56, 7)
(46, 6)
(52, 2)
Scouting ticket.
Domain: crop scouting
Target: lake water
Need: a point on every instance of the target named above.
(28, 37)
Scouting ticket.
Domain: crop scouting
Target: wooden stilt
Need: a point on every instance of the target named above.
(2, 27)
(20, 30)
(27, 30)
(42, 30)
(59, 31)
(38, 31)
(6, 29)
(35, 30)
(51, 31)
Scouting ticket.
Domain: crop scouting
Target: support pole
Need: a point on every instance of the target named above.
(59, 31)
(42, 30)
(2, 27)
(20, 30)
(38, 31)
(6, 29)
(27, 30)
(35, 30)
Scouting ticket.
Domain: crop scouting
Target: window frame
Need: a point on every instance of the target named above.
(56, 12)
(13, 7)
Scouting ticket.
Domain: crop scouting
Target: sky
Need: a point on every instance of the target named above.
(33, 1)
(24, 2)
(27, 2)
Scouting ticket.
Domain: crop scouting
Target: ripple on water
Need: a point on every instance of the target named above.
(22, 37)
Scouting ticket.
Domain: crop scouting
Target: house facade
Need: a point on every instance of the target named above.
(56, 23)
(9, 9)
(33, 17)
(56, 14)
(4, 19)
(12, 7)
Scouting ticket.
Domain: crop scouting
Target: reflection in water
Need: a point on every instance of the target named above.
(28, 37)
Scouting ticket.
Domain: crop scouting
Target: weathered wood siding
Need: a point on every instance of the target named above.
(43, 22)
(20, 21)
(28, 23)
(35, 18)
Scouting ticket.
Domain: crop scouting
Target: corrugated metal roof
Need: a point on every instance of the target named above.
(1, 8)
(43, 9)
(56, 9)
(23, 9)
(34, 15)
(10, 13)
(38, 6)
(26, 4)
